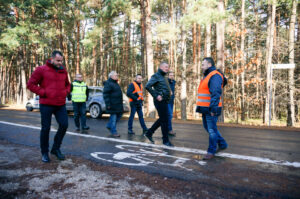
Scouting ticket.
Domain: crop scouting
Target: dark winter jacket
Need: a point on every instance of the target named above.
(215, 88)
(159, 85)
(172, 86)
(113, 96)
(50, 83)
(134, 96)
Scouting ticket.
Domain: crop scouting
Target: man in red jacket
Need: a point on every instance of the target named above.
(51, 83)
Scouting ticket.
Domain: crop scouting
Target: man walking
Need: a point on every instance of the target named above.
(51, 83)
(210, 105)
(80, 95)
(113, 98)
(136, 98)
(172, 83)
(158, 87)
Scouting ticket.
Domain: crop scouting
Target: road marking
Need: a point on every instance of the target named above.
(181, 149)
(133, 155)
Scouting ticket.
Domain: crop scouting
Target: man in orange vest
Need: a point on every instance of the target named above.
(136, 98)
(210, 105)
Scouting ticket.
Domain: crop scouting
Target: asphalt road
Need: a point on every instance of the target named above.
(258, 162)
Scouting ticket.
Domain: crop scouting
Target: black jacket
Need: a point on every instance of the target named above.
(159, 85)
(113, 96)
(134, 96)
(172, 86)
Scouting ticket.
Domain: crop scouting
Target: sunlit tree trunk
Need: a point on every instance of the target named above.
(220, 46)
(271, 25)
(208, 41)
(291, 87)
(149, 52)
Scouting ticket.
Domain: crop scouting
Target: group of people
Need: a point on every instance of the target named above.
(51, 83)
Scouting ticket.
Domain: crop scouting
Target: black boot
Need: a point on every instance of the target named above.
(58, 154)
(45, 157)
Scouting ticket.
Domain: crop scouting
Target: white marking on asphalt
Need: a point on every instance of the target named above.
(181, 149)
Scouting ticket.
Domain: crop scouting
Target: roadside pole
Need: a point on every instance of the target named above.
(276, 66)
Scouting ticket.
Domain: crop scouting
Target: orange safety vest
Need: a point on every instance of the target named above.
(204, 96)
(137, 90)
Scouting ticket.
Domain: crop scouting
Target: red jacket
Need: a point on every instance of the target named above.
(50, 83)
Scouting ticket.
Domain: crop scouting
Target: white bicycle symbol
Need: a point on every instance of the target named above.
(136, 156)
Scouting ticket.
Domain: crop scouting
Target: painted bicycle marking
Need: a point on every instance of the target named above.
(131, 155)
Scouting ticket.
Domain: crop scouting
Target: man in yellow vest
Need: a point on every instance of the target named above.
(210, 105)
(136, 98)
(80, 95)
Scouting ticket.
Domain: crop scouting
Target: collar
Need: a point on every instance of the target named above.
(161, 72)
(210, 69)
(49, 64)
(112, 80)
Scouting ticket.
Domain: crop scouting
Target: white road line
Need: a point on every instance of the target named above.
(181, 149)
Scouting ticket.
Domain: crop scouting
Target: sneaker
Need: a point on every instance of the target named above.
(77, 129)
(58, 154)
(116, 135)
(208, 156)
(149, 136)
(168, 144)
(131, 132)
(45, 158)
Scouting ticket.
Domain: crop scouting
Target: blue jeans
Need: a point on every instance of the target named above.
(61, 117)
(210, 125)
(79, 112)
(170, 116)
(112, 124)
(139, 110)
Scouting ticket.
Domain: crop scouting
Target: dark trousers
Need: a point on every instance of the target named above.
(61, 117)
(162, 109)
(133, 110)
(79, 112)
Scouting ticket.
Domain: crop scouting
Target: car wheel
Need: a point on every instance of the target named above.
(29, 107)
(95, 111)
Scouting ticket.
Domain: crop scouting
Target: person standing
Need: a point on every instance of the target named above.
(79, 94)
(158, 87)
(172, 83)
(136, 98)
(210, 105)
(113, 98)
(51, 83)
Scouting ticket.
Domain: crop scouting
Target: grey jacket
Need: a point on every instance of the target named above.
(159, 85)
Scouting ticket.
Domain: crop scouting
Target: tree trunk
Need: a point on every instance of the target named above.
(208, 41)
(291, 104)
(243, 62)
(271, 24)
(183, 93)
(143, 39)
(220, 47)
(149, 52)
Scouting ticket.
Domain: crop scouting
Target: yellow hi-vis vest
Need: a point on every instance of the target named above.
(79, 92)
(204, 96)
(137, 90)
